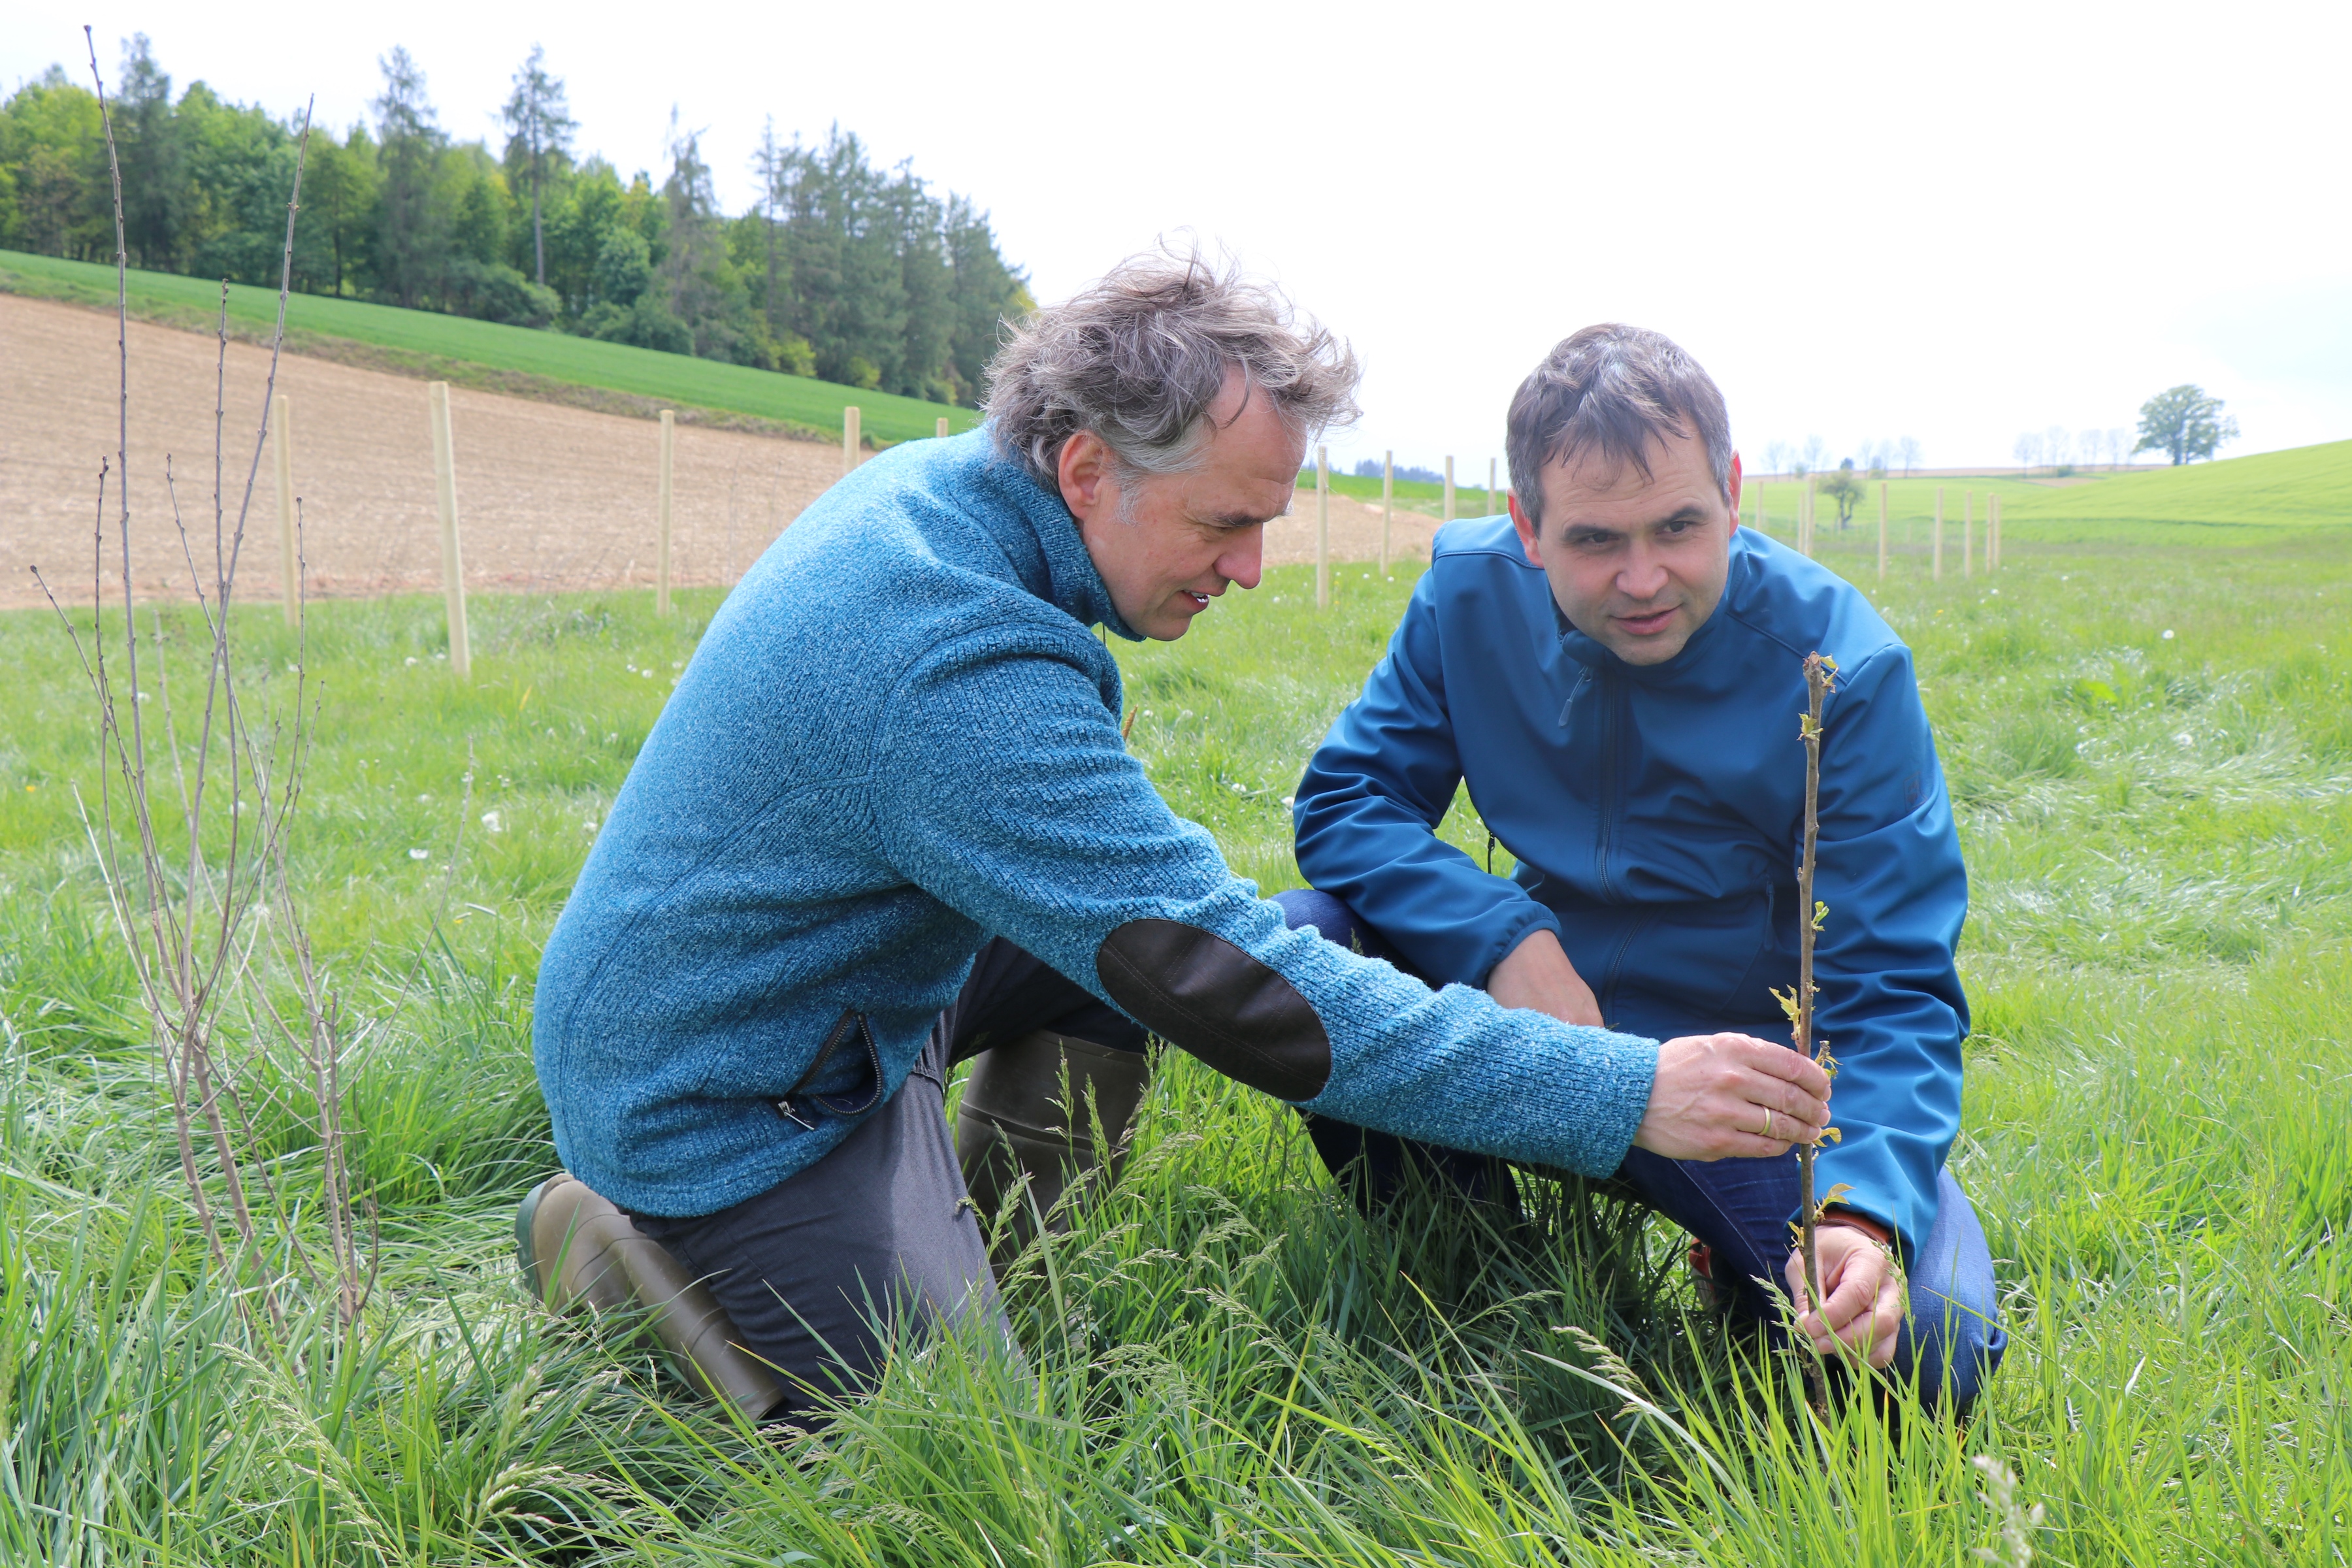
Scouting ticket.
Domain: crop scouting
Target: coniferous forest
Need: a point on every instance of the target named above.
(841, 270)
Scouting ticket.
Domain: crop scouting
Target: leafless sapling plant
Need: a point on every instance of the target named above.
(190, 834)
(1820, 678)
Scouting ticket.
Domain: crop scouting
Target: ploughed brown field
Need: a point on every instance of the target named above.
(548, 497)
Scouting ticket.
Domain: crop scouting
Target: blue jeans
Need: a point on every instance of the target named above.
(1740, 1208)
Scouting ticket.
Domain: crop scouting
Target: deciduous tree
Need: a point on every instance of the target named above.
(2184, 423)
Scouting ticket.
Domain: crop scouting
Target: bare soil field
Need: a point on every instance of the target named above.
(548, 497)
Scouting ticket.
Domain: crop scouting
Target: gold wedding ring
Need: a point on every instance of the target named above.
(1768, 1124)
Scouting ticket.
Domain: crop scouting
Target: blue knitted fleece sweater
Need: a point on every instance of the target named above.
(897, 739)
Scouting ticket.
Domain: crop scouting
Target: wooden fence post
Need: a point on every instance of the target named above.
(1812, 507)
(943, 427)
(1967, 533)
(1882, 528)
(289, 555)
(1388, 504)
(1490, 487)
(849, 438)
(1449, 490)
(1322, 528)
(1993, 533)
(1936, 573)
(453, 570)
(661, 542)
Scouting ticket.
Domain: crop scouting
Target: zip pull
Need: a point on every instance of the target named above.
(1578, 690)
(801, 1110)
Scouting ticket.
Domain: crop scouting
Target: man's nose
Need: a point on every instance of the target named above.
(1644, 576)
(1244, 560)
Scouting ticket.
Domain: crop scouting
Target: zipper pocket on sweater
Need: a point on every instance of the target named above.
(801, 1109)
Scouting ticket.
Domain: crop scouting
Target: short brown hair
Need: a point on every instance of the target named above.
(1613, 389)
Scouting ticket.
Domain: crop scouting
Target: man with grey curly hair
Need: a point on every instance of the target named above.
(887, 823)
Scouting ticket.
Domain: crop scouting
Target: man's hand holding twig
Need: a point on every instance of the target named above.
(1862, 1295)
(1719, 1096)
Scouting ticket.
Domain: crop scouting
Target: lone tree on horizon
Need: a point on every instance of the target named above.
(1845, 489)
(2185, 423)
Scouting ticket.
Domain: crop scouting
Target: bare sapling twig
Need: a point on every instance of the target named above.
(1820, 678)
(192, 922)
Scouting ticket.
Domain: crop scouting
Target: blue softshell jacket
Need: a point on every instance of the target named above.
(899, 738)
(1656, 814)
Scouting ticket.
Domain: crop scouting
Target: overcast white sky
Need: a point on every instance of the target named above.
(1868, 221)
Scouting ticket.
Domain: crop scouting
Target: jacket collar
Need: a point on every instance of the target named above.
(1039, 537)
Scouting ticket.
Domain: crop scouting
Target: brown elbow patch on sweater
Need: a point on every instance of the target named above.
(1207, 997)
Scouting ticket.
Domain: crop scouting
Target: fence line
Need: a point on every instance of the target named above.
(1322, 528)
(453, 571)
(1388, 504)
(1882, 528)
(661, 548)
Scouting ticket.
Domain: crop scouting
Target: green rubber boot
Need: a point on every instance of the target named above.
(575, 1247)
(1013, 1122)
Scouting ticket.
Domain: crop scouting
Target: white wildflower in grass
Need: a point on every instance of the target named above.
(493, 822)
(420, 853)
(589, 825)
(2168, 634)
(412, 658)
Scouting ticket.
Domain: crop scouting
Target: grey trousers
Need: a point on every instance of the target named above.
(875, 1241)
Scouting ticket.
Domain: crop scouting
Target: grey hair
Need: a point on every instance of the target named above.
(1138, 356)
(1613, 389)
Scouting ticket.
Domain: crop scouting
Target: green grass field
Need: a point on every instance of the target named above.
(676, 379)
(2148, 733)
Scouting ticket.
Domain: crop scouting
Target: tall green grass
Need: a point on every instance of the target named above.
(1221, 1363)
(679, 379)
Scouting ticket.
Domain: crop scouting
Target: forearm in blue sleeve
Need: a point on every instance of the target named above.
(1368, 810)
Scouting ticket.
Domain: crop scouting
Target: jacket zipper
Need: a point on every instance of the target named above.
(1606, 816)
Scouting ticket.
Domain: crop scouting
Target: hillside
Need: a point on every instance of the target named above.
(2304, 486)
(426, 342)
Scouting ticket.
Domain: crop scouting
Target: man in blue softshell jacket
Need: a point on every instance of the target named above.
(887, 823)
(1616, 671)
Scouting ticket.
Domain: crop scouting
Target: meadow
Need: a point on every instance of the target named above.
(2149, 742)
(456, 348)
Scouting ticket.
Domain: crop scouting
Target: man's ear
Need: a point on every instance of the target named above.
(1526, 526)
(1084, 466)
(1732, 492)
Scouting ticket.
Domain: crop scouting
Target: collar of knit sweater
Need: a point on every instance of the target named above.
(1057, 567)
